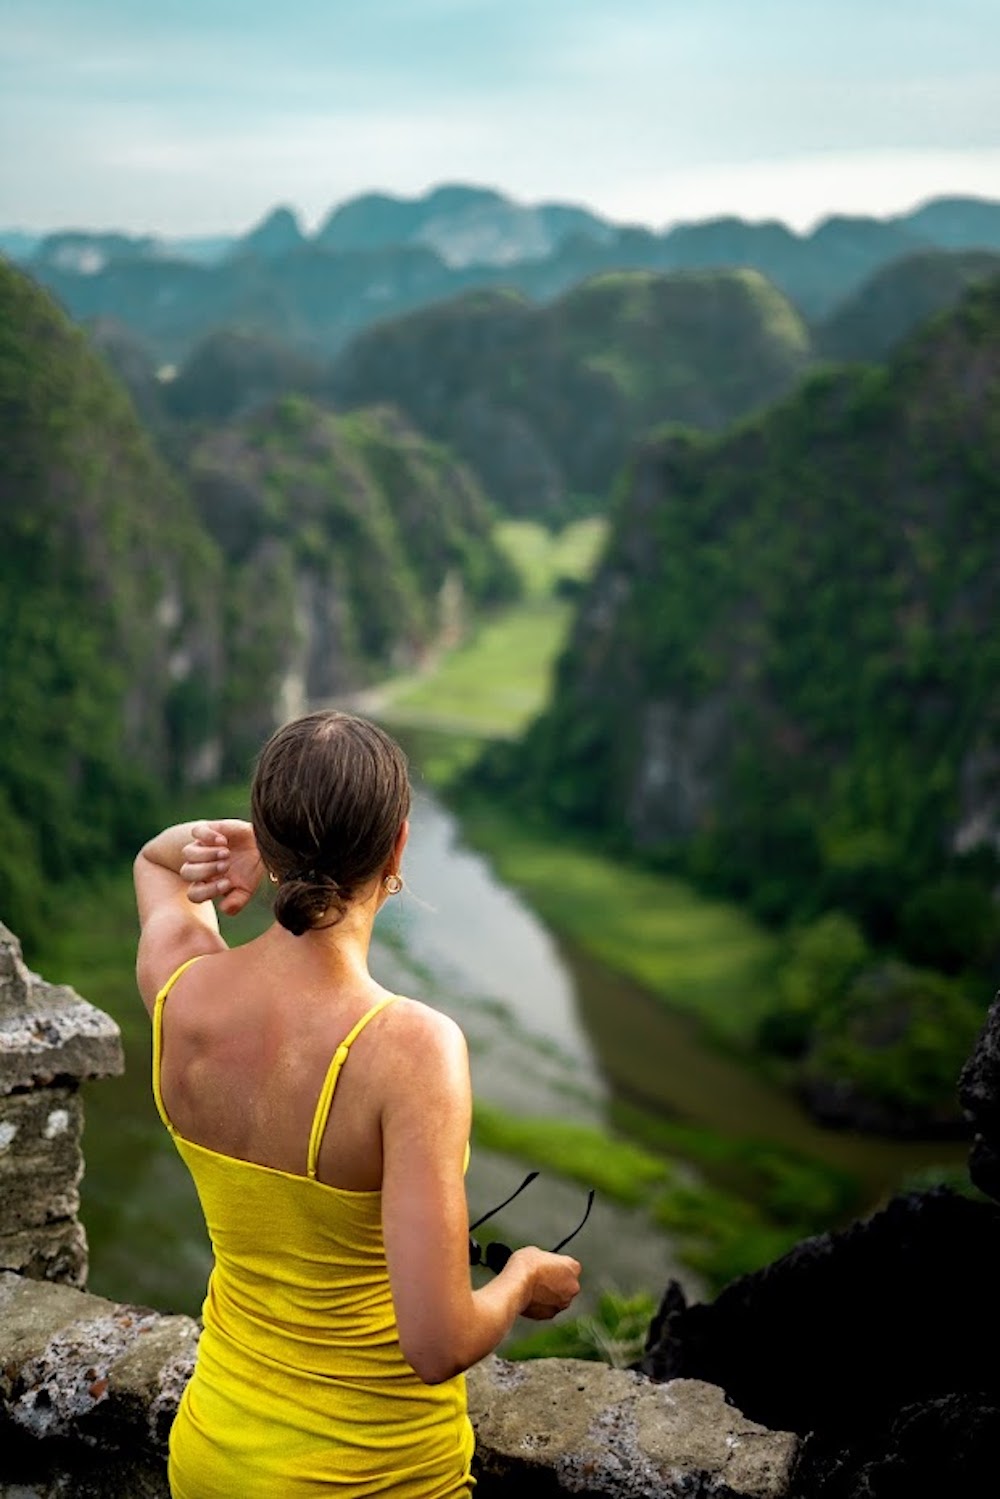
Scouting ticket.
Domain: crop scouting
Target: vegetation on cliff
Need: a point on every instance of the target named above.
(783, 682)
(232, 372)
(108, 590)
(157, 623)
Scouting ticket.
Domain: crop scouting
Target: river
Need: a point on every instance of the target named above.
(550, 1033)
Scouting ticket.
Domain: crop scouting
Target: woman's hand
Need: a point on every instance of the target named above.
(553, 1281)
(221, 863)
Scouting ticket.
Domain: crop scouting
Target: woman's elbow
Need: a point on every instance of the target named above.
(431, 1364)
(439, 1373)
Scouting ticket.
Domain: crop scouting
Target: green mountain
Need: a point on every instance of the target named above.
(955, 223)
(783, 680)
(544, 402)
(108, 613)
(81, 252)
(504, 339)
(230, 373)
(900, 297)
(352, 545)
(313, 298)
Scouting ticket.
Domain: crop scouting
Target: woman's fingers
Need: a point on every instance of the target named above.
(205, 859)
(199, 849)
(200, 890)
(214, 863)
(208, 832)
(233, 902)
(196, 868)
(194, 857)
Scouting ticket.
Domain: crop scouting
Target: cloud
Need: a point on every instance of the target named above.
(199, 114)
(803, 189)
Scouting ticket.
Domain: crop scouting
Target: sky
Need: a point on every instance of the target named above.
(189, 117)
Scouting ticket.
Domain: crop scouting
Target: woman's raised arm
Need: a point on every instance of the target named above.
(178, 874)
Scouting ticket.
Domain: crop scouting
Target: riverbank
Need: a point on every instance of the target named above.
(699, 956)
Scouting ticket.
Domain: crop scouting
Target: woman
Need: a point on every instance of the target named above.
(325, 1123)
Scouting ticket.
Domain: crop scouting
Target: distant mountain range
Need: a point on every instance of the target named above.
(464, 225)
(378, 256)
(469, 226)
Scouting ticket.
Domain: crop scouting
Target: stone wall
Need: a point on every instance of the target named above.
(51, 1040)
(88, 1389)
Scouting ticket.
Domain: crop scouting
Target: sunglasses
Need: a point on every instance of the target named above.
(496, 1255)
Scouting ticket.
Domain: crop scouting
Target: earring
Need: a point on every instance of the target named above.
(272, 876)
(393, 884)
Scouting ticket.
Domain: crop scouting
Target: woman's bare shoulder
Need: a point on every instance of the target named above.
(424, 1076)
(414, 1017)
(423, 1035)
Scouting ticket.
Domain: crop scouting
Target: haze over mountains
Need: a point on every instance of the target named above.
(465, 225)
(378, 256)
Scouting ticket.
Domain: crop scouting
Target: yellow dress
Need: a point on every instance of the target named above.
(300, 1387)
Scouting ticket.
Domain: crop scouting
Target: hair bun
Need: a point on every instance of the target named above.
(303, 899)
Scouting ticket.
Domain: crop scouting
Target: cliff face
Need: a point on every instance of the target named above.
(544, 402)
(797, 618)
(352, 545)
(783, 682)
(108, 612)
(876, 1340)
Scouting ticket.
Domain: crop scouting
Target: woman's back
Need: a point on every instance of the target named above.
(327, 1134)
(248, 1039)
(301, 1384)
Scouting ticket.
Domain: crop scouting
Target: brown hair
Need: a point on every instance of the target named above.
(329, 795)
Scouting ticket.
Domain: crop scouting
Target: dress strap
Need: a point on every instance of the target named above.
(322, 1113)
(158, 1035)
